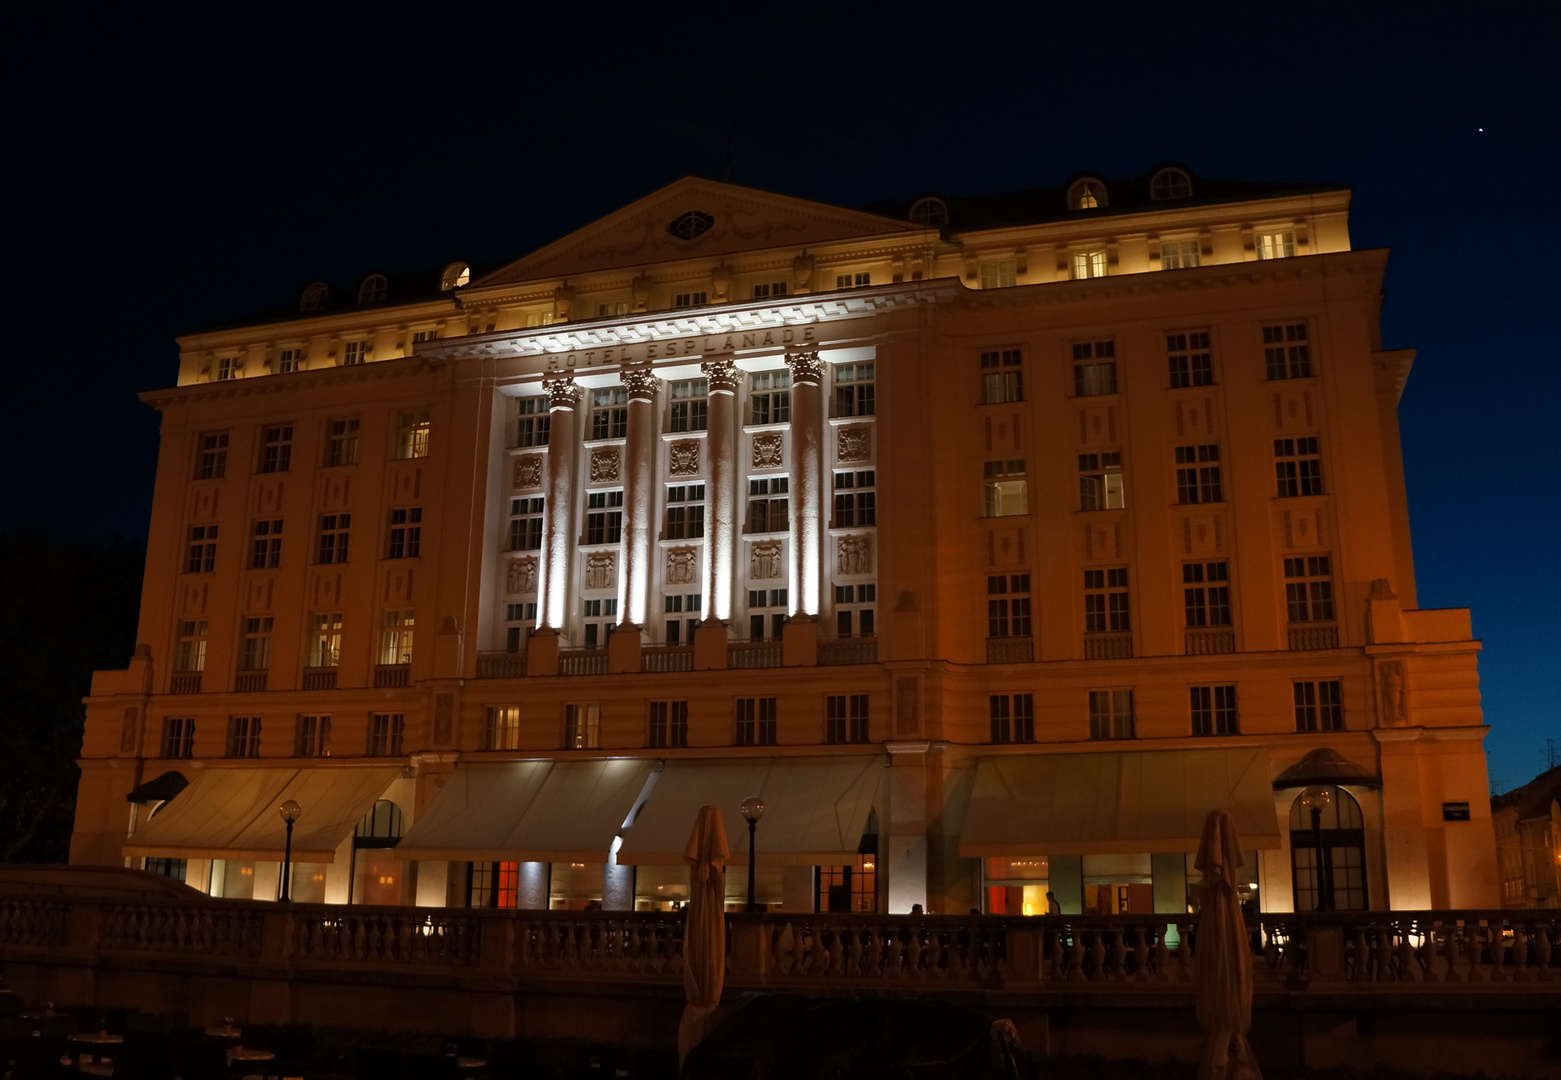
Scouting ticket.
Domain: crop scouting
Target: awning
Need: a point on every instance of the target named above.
(528, 811)
(232, 813)
(815, 809)
(1100, 803)
(1325, 765)
(159, 790)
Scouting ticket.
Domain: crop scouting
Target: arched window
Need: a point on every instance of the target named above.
(455, 275)
(1337, 880)
(1087, 194)
(1170, 183)
(314, 296)
(930, 211)
(375, 288)
(381, 827)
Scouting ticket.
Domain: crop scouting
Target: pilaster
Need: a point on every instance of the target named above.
(721, 525)
(639, 492)
(553, 603)
(807, 454)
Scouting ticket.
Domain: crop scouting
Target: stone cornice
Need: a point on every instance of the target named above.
(402, 367)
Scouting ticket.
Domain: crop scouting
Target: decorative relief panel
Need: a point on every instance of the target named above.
(1202, 535)
(764, 561)
(336, 492)
(192, 599)
(130, 732)
(604, 464)
(1392, 693)
(854, 443)
(398, 586)
(601, 570)
(1195, 417)
(444, 718)
(1103, 542)
(406, 482)
(768, 451)
(268, 497)
(682, 564)
(1293, 409)
(521, 576)
(1303, 529)
(1098, 425)
(685, 457)
(1005, 546)
(854, 555)
(528, 471)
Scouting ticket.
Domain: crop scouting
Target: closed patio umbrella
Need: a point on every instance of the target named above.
(1222, 964)
(704, 932)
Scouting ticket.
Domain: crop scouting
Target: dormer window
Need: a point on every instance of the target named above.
(456, 275)
(314, 296)
(1087, 194)
(375, 288)
(930, 211)
(1170, 183)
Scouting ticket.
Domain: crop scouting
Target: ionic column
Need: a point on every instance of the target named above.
(807, 456)
(553, 603)
(639, 493)
(721, 527)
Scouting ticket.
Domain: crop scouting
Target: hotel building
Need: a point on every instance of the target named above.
(991, 542)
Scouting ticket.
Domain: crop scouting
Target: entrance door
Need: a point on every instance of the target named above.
(1337, 882)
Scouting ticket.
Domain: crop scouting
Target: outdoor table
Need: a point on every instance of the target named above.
(223, 1031)
(239, 1053)
(470, 1063)
(101, 1037)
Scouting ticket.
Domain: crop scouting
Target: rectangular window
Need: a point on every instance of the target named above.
(265, 544)
(610, 412)
(617, 307)
(1198, 474)
(1190, 359)
(601, 618)
(191, 652)
(1100, 481)
(766, 290)
(1275, 244)
(341, 442)
(690, 404)
(1002, 376)
(406, 533)
(386, 732)
(178, 737)
(356, 352)
(1013, 717)
(769, 504)
(243, 736)
(766, 610)
(685, 511)
(755, 721)
(169, 868)
(255, 643)
(534, 421)
(1298, 467)
(1309, 589)
(690, 299)
(276, 448)
(395, 636)
(603, 517)
(1319, 706)
(228, 367)
(325, 639)
(854, 390)
(845, 718)
(855, 613)
(1094, 368)
(1214, 710)
(770, 400)
(996, 273)
(1285, 352)
(582, 727)
(1089, 264)
(200, 557)
(521, 618)
(681, 631)
(668, 724)
(853, 281)
(420, 336)
(1105, 601)
(312, 737)
(1206, 593)
(1178, 254)
(856, 499)
(501, 728)
(1008, 605)
(1004, 488)
(525, 524)
(412, 433)
(334, 529)
(1111, 714)
(211, 462)
(290, 360)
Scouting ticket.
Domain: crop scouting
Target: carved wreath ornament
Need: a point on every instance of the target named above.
(767, 450)
(528, 472)
(685, 457)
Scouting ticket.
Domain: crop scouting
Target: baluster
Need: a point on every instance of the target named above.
(1434, 954)
(1498, 947)
(818, 953)
(1076, 955)
(1140, 954)
(1359, 967)
(1162, 955)
(1384, 951)
(913, 952)
(892, 959)
(785, 950)
(1409, 967)
(1519, 952)
(1542, 953)
(872, 962)
(1097, 955)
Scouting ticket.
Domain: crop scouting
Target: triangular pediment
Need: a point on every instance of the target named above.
(693, 218)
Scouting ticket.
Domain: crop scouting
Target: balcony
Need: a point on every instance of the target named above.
(665, 658)
(1012, 650)
(185, 682)
(249, 682)
(319, 678)
(862, 650)
(502, 666)
(582, 661)
(390, 676)
(753, 654)
(1108, 646)
(1315, 636)
(1209, 642)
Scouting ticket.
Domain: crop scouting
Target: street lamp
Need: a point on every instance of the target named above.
(753, 810)
(290, 812)
(1316, 799)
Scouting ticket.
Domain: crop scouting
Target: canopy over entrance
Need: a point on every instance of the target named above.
(1101, 803)
(232, 813)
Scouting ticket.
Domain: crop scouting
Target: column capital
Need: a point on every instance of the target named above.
(721, 375)
(561, 393)
(641, 382)
(806, 367)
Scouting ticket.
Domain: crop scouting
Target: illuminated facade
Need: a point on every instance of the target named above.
(992, 542)
(1528, 842)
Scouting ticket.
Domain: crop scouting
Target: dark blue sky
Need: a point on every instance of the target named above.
(169, 169)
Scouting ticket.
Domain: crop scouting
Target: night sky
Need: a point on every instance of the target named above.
(167, 171)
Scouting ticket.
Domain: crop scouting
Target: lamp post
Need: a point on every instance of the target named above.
(753, 810)
(1316, 799)
(290, 812)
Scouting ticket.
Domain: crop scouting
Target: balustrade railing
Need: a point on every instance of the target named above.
(848, 651)
(319, 678)
(665, 658)
(1314, 637)
(502, 666)
(391, 676)
(27, 920)
(1013, 650)
(1210, 642)
(1108, 646)
(646, 944)
(184, 682)
(185, 930)
(582, 661)
(753, 654)
(333, 934)
(249, 682)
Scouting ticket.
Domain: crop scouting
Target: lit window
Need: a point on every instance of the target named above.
(525, 526)
(406, 533)
(276, 448)
(386, 731)
(501, 728)
(412, 434)
(1285, 352)
(1309, 589)
(341, 442)
(769, 504)
(1106, 608)
(608, 310)
(853, 281)
(325, 639)
(1005, 490)
(178, 739)
(211, 462)
(534, 421)
(856, 499)
(690, 404)
(668, 724)
(228, 367)
(1111, 714)
(929, 211)
(314, 296)
(770, 400)
(265, 544)
(582, 727)
(333, 538)
(1191, 363)
(1008, 605)
(1198, 474)
(1298, 468)
(255, 643)
(355, 352)
(1319, 706)
(243, 737)
(200, 557)
(420, 336)
(1087, 194)
(312, 736)
(691, 299)
(996, 273)
(289, 360)
(755, 719)
(395, 637)
(1094, 368)
(604, 517)
(854, 390)
(680, 630)
(766, 611)
(1012, 717)
(1089, 264)
(1170, 183)
(855, 610)
(455, 275)
(375, 288)
(191, 653)
(769, 290)
(1278, 244)
(1100, 481)
(845, 718)
(1002, 376)
(1179, 254)
(610, 412)
(1214, 710)
(601, 619)
(521, 619)
(1206, 594)
(685, 512)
